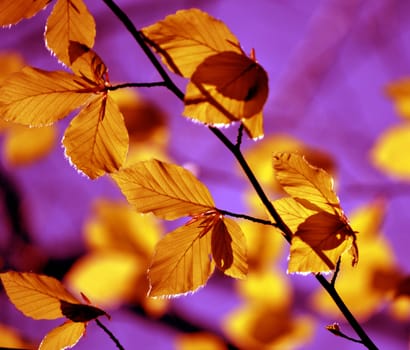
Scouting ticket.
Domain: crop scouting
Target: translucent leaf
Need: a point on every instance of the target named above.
(36, 97)
(96, 141)
(167, 190)
(11, 12)
(390, 155)
(229, 248)
(63, 337)
(37, 296)
(186, 38)
(182, 260)
(24, 145)
(69, 22)
(319, 238)
(310, 186)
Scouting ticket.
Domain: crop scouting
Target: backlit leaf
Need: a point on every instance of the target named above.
(182, 260)
(63, 337)
(187, 37)
(310, 186)
(229, 248)
(69, 22)
(24, 145)
(167, 190)
(390, 155)
(36, 97)
(96, 141)
(37, 296)
(12, 12)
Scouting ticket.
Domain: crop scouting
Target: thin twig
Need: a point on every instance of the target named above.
(239, 137)
(366, 341)
(110, 334)
(126, 85)
(246, 217)
(336, 273)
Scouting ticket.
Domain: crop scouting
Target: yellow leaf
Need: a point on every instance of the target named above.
(310, 186)
(96, 141)
(69, 22)
(229, 248)
(390, 155)
(182, 260)
(37, 98)
(187, 37)
(319, 238)
(37, 296)
(64, 336)
(167, 190)
(232, 83)
(24, 145)
(254, 126)
(11, 12)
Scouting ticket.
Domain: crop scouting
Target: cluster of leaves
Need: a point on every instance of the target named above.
(225, 86)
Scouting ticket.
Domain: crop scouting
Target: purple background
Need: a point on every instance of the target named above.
(328, 62)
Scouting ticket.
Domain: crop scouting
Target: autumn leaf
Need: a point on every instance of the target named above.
(225, 84)
(36, 97)
(69, 22)
(167, 190)
(399, 92)
(96, 141)
(389, 154)
(63, 337)
(187, 37)
(321, 232)
(12, 12)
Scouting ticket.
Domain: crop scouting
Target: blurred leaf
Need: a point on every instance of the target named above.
(36, 97)
(69, 22)
(12, 12)
(310, 186)
(24, 145)
(399, 92)
(167, 190)
(229, 248)
(11, 338)
(10, 62)
(187, 37)
(182, 260)
(199, 341)
(96, 141)
(37, 296)
(390, 155)
(63, 337)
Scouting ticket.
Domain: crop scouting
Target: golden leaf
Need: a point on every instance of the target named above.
(69, 22)
(187, 37)
(36, 97)
(37, 296)
(11, 12)
(96, 141)
(390, 155)
(64, 336)
(24, 145)
(167, 190)
(229, 248)
(182, 260)
(310, 186)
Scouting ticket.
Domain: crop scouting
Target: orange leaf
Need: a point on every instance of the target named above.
(310, 186)
(69, 22)
(167, 190)
(182, 261)
(63, 337)
(37, 296)
(11, 12)
(229, 248)
(24, 145)
(399, 92)
(186, 38)
(96, 141)
(36, 97)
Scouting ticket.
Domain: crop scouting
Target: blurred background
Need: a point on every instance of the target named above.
(338, 94)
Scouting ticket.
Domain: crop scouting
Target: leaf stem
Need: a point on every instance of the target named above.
(110, 334)
(126, 85)
(235, 150)
(246, 217)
